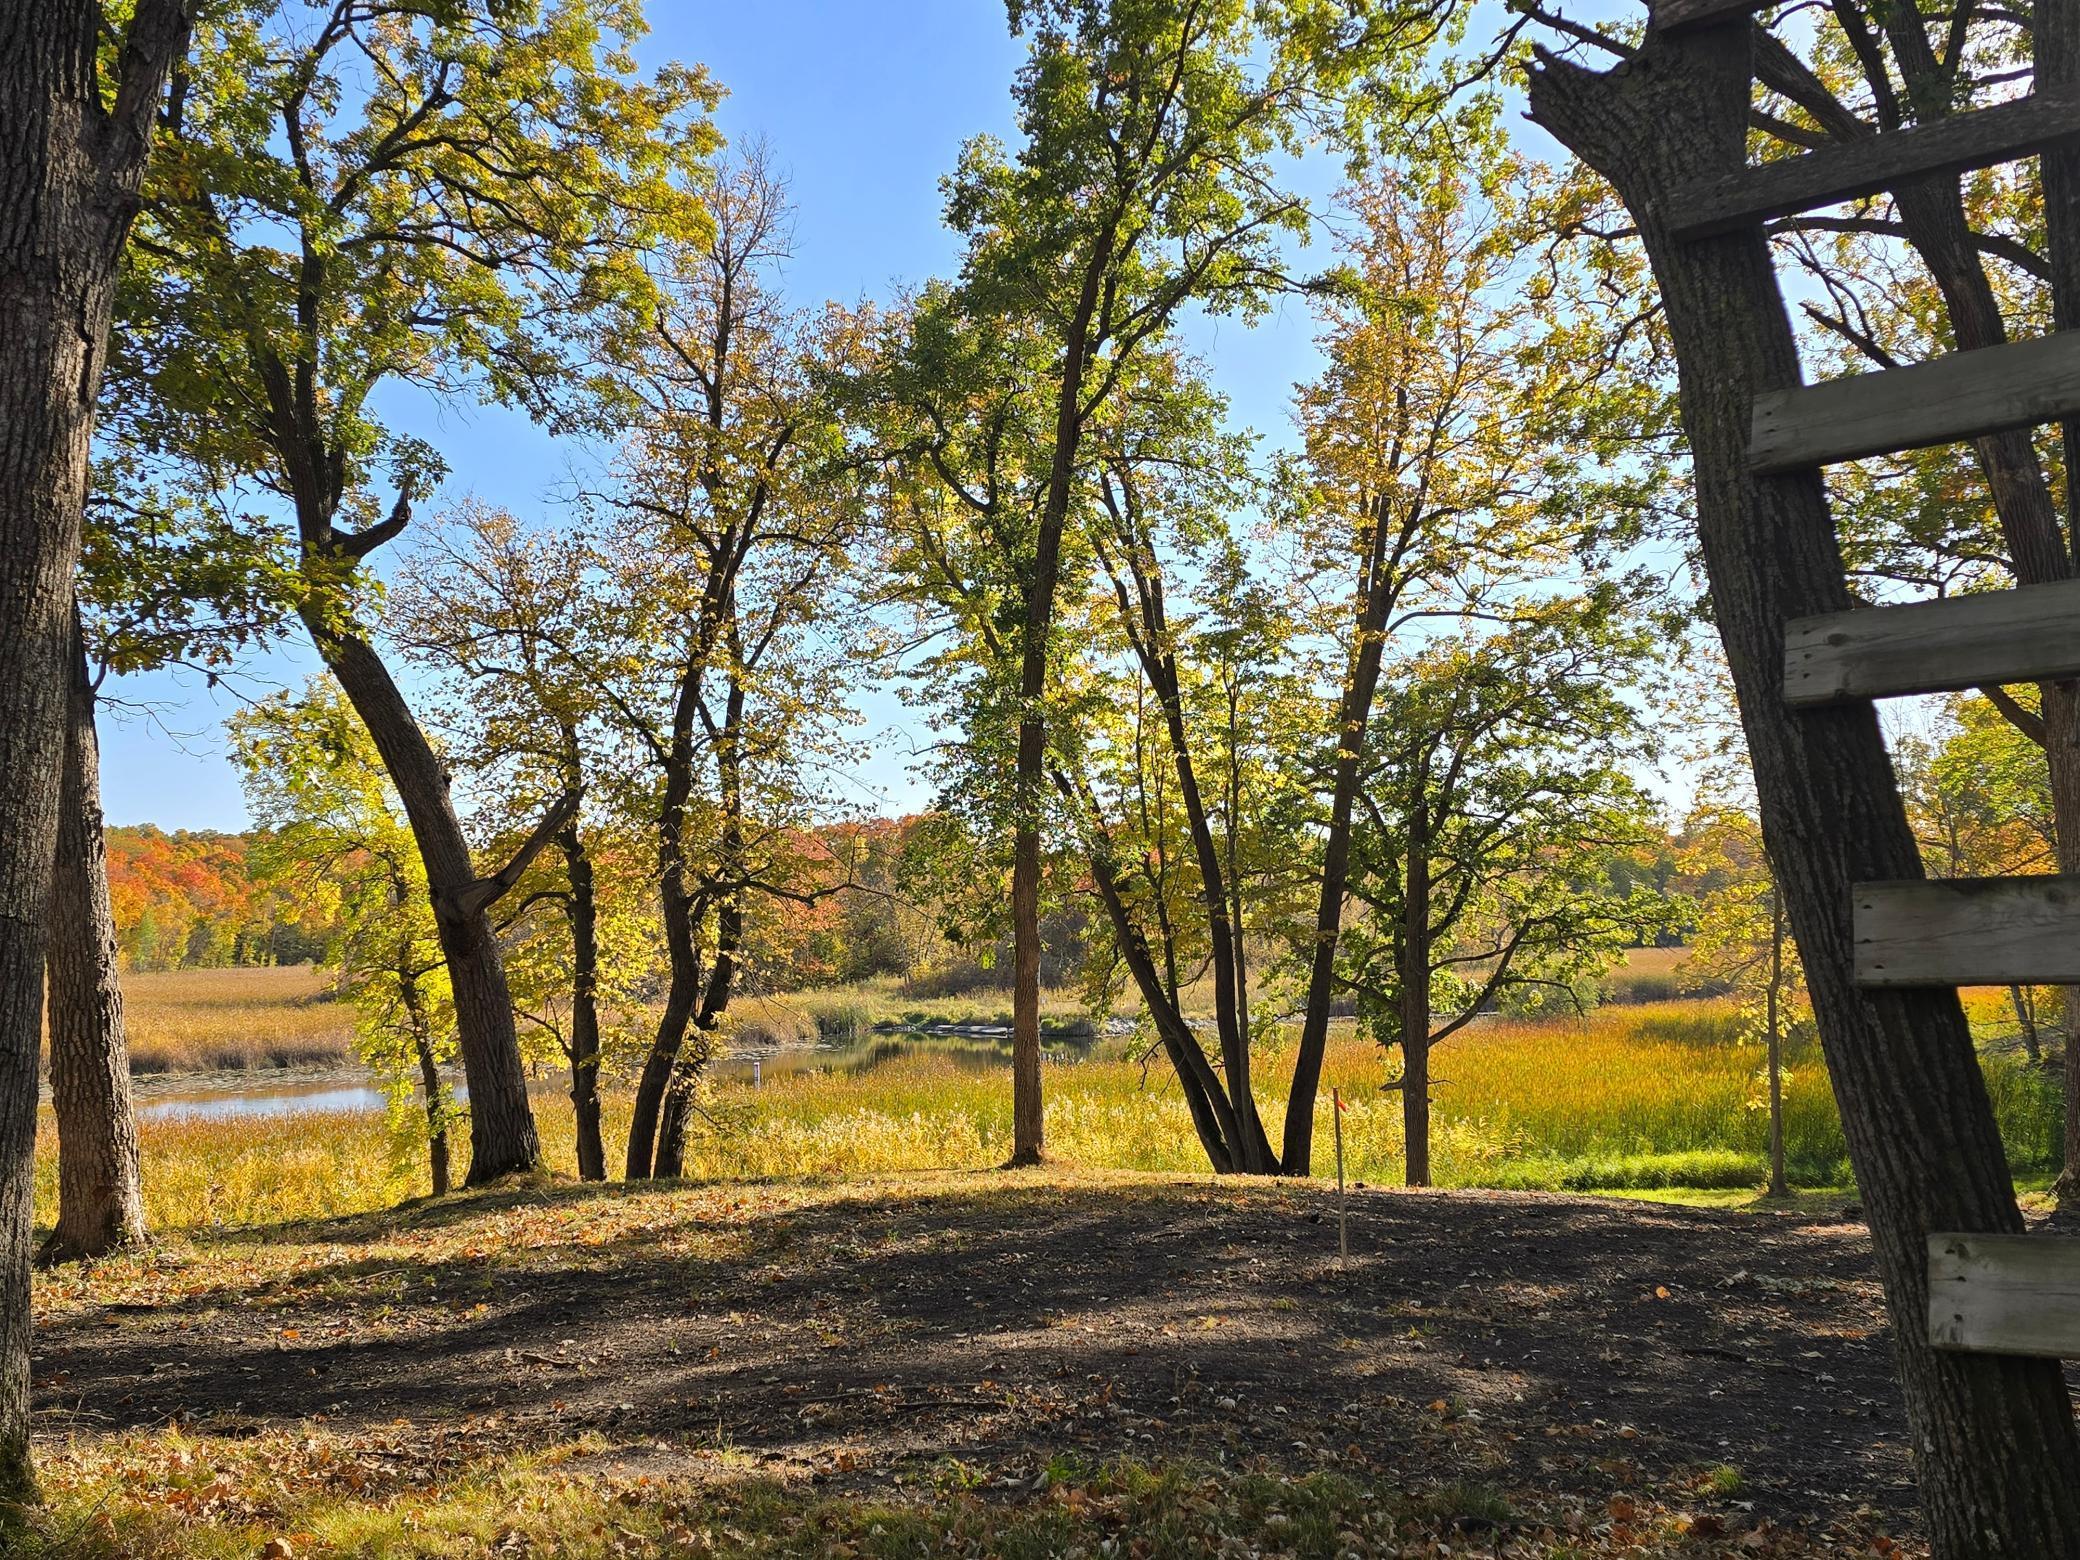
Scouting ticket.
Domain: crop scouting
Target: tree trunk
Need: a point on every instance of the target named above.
(2025, 1009)
(1028, 1114)
(2055, 45)
(70, 164)
(592, 1152)
(1213, 1114)
(1412, 978)
(1353, 715)
(1774, 1021)
(1932, 212)
(694, 998)
(502, 1130)
(100, 1204)
(1998, 1458)
(430, 1083)
(1142, 609)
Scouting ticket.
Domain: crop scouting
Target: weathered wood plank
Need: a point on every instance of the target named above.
(1849, 169)
(1968, 932)
(1675, 15)
(2004, 636)
(2004, 1294)
(1938, 402)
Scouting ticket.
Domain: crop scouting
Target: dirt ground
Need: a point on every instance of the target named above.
(869, 1335)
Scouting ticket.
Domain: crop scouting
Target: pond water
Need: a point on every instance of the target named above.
(258, 1095)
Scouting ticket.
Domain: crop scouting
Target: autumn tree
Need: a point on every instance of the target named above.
(433, 195)
(1741, 942)
(1997, 1455)
(510, 619)
(80, 93)
(1474, 428)
(1175, 744)
(725, 539)
(1145, 182)
(337, 831)
(1499, 780)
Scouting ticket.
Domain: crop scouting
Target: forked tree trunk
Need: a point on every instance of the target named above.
(502, 1129)
(70, 165)
(1994, 1436)
(100, 1204)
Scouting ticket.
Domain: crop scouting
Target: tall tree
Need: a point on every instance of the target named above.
(438, 193)
(727, 542)
(76, 117)
(1145, 183)
(1473, 428)
(1161, 751)
(337, 835)
(1497, 788)
(1998, 1456)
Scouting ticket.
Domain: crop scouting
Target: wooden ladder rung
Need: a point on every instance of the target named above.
(1942, 401)
(2030, 634)
(2005, 1294)
(1849, 169)
(1675, 15)
(1968, 932)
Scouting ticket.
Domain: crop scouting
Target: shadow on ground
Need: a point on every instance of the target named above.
(1565, 1343)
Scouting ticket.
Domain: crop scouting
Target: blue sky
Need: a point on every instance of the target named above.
(865, 103)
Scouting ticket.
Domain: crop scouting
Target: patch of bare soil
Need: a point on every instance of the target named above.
(1573, 1347)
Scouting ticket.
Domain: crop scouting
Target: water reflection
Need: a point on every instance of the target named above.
(272, 1097)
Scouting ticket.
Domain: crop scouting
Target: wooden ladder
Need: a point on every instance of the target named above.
(2000, 1294)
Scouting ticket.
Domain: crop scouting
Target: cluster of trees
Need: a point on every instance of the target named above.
(1381, 708)
(193, 900)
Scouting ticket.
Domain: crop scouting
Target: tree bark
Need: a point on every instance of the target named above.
(430, 1083)
(1994, 1436)
(2055, 45)
(1412, 954)
(592, 1152)
(70, 167)
(1933, 214)
(100, 1202)
(502, 1130)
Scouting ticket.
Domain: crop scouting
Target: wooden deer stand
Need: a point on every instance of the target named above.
(1991, 1294)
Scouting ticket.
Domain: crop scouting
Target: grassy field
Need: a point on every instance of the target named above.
(1643, 1096)
(207, 1020)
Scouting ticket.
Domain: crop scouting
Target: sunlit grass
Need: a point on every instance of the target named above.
(202, 1020)
(1656, 1095)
